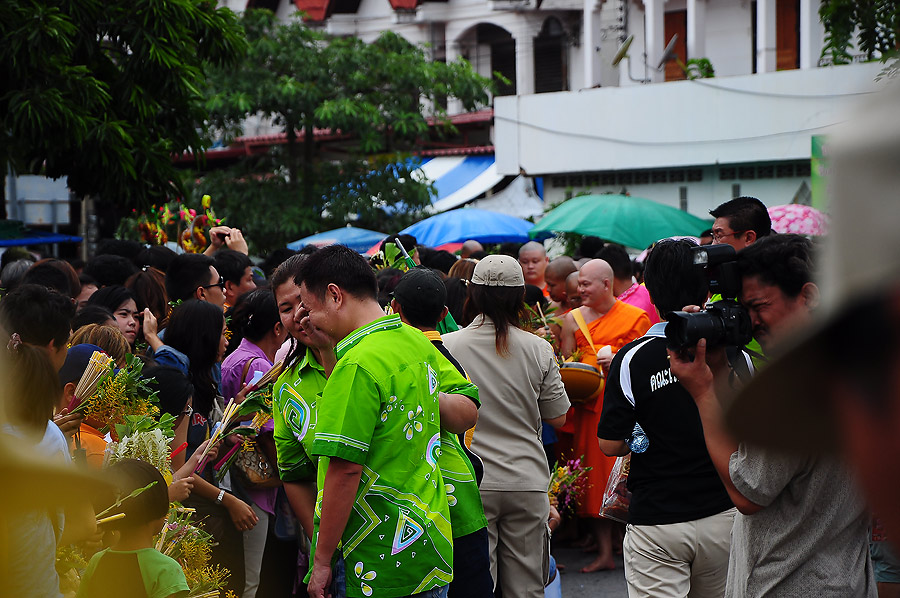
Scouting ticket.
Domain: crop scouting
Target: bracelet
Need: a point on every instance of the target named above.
(219, 498)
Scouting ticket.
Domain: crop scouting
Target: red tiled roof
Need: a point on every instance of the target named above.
(459, 151)
(253, 144)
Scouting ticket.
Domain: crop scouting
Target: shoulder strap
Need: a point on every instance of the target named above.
(247, 369)
(582, 326)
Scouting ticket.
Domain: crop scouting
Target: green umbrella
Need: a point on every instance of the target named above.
(630, 221)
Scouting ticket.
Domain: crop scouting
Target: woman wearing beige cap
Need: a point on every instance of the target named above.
(519, 384)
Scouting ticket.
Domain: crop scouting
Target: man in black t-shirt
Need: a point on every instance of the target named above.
(680, 517)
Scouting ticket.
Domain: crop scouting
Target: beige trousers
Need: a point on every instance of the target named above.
(678, 559)
(518, 541)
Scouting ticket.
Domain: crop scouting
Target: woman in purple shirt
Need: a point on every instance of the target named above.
(257, 330)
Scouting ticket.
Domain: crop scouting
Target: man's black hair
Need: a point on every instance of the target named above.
(479, 255)
(231, 264)
(438, 260)
(511, 249)
(85, 280)
(121, 247)
(275, 258)
(155, 256)
(186, 274)
(110, 269)
(671, 277)
(589, 247)
(618, 260)
(38, 314)
(745, 213)
(785, 261)
(54, 274)
(340, 265)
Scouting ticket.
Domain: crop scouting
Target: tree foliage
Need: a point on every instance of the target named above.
(878, 22)
(105, 91)
(375, 99)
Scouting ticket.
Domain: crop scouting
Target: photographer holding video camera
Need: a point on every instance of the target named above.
(802, 527)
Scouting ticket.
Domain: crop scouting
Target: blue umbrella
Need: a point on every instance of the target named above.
(357, 239)
(461, 225)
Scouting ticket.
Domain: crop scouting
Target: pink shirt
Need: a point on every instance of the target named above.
(638, 296)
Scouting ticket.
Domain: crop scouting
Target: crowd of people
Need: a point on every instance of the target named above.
(417, 412)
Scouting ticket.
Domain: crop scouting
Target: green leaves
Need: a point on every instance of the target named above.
(877, 23)
(105, 91)
(375, 99)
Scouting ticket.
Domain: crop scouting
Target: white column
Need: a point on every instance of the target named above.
(811, 34)
(590, 44)
(654, 25)
(524, 63)
(766, 59)
(451, 53)
(696, 28)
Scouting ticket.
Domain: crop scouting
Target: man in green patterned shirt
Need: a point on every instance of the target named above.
(381, 495)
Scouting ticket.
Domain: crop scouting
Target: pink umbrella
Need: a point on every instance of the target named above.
(801, 220)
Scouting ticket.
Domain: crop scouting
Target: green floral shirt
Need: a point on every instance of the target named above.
(463, 496)
(294, 413)
(380, 409)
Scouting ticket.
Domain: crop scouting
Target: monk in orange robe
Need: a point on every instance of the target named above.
(613, 323)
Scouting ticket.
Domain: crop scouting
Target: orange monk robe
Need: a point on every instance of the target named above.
(619, 326)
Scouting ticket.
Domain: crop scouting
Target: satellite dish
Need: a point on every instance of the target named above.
(668, 53)
(622, 52)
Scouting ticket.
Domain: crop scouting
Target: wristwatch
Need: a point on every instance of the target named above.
(219, 498)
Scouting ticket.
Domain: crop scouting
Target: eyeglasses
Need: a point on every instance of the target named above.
(220, 284)
(719, 235)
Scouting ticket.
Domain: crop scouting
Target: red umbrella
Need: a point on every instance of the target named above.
(797, 219)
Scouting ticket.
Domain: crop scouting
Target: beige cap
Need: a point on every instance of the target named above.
(786, 405)
(498, 271)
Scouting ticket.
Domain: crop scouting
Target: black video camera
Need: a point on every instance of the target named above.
(725, 322)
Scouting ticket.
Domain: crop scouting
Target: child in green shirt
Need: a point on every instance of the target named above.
(135, 568)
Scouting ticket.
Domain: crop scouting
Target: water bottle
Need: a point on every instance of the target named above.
(638, 443)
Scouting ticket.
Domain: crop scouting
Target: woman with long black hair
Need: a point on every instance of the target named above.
(520, 386)
(257, 329)
(195, 343)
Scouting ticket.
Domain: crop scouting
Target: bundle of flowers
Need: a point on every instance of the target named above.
(172, 220)
(258, 402)
(567, 484)
(191, 546)
(119, 394)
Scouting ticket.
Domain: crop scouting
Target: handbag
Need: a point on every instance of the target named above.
(617, 496)
(251, 464)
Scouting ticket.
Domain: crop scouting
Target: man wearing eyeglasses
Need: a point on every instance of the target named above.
(740, 222)
(194, 276)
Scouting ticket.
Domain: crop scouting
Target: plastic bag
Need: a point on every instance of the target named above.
(617, 497)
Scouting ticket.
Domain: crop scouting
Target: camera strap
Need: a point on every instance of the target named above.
(738, 363)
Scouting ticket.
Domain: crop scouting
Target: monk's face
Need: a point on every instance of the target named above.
(556, 286)
(593, 288)
(533, 263)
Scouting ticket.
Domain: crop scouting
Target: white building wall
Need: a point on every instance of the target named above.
(702, 196)
(749, 118)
